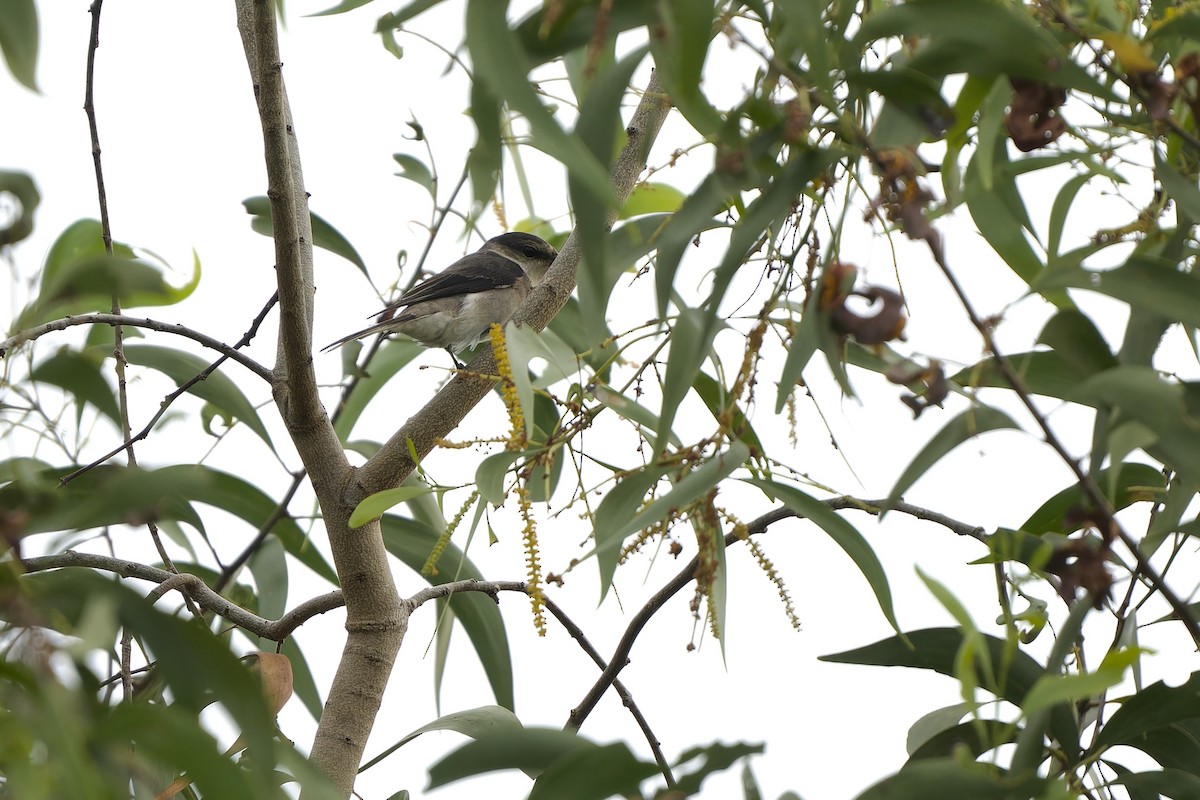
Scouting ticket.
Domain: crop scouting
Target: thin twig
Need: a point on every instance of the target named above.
(278, 513)
(38, 331)
(183, 388)
(626, 696)
(620, 657)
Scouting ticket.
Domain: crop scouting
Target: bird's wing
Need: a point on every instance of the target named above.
(477, 272)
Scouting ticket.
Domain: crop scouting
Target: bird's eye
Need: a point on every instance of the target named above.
(531, 251)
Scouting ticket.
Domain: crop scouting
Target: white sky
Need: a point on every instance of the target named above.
(182, 149)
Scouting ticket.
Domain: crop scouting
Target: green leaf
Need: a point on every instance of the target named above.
(966, 425)
(414, 169)
(1173, 783)
(999, 213)
(800, 350)
(615, 522)
(79, 376)
(490, 475)
(977, 736)
(1043, 372)
(1144, 282)
(1052, 690)
(106, 495)
(597, 128)
(411, 542)
(628, 409)
(937, 649)
(716, 757)
(19, 40)
(691, 339)
(980, 37)
(714, 396)
(217, 388)
(79, 277)
(501, 63)
(529, 749)
(1159, 405)
(1135, 483)
(268, 565)
(842, 532)
(680, 44)
(374, 505)
(244, 500)
(1182, 190)
(652, 198)
(474, 722)
(593, 773)
(1154, 708)
(392, 356)
(552, 32)
(1078, 342)
(302, 680)
(325, 235)
(22, 188)
(950, 777)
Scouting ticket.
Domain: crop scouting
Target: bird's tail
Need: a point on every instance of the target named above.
(378, 327)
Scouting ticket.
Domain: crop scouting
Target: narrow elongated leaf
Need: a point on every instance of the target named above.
(937, 649)
(597, 127)
(1043, 372)
(843, 533)
(79, 376)
(593, 773)
(977, 736)
(244, 500)
(552, 32)
(713, 395)
(388, 361)
(951, 777)
(474, 722)
(1151, 709)
(20, 185)
(1051, 690)
(501, 63)
(528, 749)
(966, 425)
(1159, 405)
(691, 338)
(1135, 483)
(1182, 190)
(614, 520)
(19, 40)
(414, 169)
(680, 46)
(1147, 283)
(1078, 342)
(715, 758)
(325, 235)
(1172, 783)
(376, 504)
(980, 37)
(652, 198)
(217, 389)
(411, 542)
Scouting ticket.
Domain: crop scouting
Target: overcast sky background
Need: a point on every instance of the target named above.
(182, 148)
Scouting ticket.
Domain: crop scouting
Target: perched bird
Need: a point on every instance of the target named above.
(455, 308)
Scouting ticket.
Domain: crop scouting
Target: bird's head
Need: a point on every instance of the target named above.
(535, 255)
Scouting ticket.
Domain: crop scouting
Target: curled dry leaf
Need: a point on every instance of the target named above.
(886, 324)
(936, 387)
(1033, 119)
(275, 671)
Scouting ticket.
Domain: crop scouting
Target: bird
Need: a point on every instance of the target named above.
(455, 308)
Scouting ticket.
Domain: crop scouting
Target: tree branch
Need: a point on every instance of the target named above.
(194, 588)
(30, 334)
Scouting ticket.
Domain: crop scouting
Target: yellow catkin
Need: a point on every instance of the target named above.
(508, 389)
(439, 547)
(533, 583)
